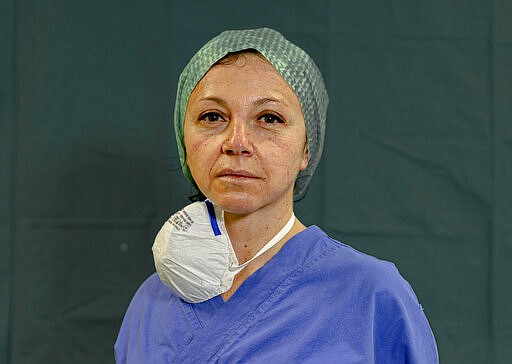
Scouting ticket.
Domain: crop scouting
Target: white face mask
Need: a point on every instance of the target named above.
(194, 256)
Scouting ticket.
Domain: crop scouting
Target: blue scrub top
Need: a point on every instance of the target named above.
(316, 301)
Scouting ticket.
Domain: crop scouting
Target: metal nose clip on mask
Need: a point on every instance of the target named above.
(194, 255)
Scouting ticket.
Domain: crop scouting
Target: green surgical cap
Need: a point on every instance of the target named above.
(296, 67)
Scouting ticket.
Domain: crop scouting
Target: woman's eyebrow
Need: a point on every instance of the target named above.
(214, 99)
(266, 100)
(258, 102)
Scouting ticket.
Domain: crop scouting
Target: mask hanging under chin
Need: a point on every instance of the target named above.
(194, 255)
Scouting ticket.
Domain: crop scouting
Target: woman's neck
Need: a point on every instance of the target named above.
(250, 238)
(249, 233)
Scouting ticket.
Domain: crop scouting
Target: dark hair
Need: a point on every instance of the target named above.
(198, 196)
(232, 57)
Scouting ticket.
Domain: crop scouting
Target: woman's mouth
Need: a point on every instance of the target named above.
(236, 174)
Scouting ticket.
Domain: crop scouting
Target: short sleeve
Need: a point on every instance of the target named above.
(403, 332)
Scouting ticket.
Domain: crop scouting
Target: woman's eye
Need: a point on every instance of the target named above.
(211, 117)
(271, 119)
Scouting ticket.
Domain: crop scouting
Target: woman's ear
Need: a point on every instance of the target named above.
(305, 157)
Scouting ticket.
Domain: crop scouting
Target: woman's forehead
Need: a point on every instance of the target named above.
(250, 76)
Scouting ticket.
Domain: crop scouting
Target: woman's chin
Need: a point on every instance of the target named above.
(239, 203)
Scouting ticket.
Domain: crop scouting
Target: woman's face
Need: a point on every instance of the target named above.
(245, 136)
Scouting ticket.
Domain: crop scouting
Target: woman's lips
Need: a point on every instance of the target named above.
(236, 174)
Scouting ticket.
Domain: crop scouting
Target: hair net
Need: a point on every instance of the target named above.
(296, 67)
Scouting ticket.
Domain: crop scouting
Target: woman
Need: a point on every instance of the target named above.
(240, 279)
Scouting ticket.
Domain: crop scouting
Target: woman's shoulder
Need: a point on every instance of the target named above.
(345, 263)
(149, 315)
(152, 284)
(344, 255)
(152, 289)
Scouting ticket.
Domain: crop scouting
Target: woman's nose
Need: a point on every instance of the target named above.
(238, 140)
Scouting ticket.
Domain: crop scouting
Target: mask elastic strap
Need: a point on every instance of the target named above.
(213, 218)
(286, 228)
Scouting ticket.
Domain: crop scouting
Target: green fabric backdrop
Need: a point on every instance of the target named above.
(417, 167)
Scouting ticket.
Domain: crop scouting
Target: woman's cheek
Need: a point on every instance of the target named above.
(199, 144)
